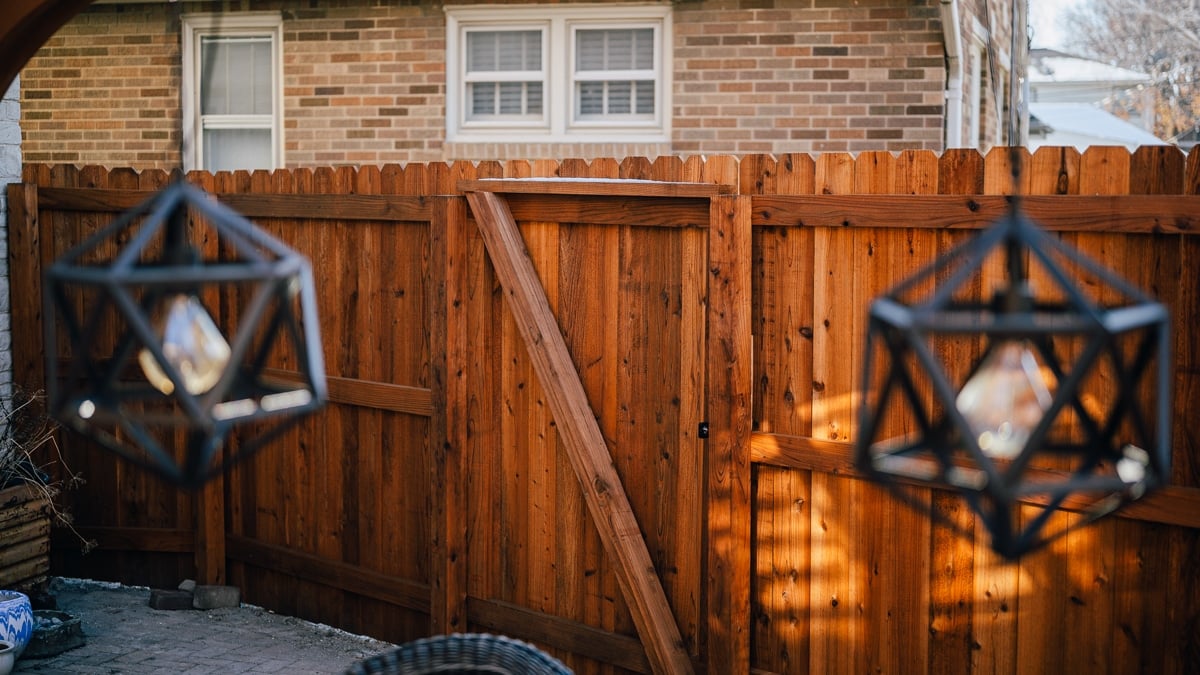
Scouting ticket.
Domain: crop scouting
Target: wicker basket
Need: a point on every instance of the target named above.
(462, 653)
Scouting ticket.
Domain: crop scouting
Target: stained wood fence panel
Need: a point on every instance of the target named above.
(434, 491)
(625, 287)
(1069, 585)
(352, 484)
(135, 500)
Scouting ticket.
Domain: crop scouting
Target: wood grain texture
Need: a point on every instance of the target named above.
(348, 207)
(953, 639)
(350, 518)
(620, 187)
(447, 438)
(584, 443)
(1159, 214)
(729, 415)
(782, 322)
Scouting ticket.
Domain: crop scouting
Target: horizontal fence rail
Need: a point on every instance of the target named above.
(713, 311)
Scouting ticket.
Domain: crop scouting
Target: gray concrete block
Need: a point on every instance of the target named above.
(170, 600)
(214, 597)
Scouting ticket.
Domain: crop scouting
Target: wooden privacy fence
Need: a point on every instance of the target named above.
(613, 418)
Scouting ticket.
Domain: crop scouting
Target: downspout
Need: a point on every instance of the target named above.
(952, 37)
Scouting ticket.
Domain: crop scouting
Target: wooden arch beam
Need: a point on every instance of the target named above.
(25, 25)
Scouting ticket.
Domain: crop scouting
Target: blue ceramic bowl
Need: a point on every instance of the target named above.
(16, 619)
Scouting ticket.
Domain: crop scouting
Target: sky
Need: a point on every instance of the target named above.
(1043, 20)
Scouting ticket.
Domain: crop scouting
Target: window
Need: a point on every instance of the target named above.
(504, 75)
(231, 91)
(558, 73)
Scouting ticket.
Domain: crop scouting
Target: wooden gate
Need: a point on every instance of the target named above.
(644, 281)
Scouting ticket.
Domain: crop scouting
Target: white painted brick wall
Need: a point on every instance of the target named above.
(10, 172)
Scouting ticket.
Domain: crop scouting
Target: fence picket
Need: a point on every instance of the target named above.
(953, 594)
(844, 579)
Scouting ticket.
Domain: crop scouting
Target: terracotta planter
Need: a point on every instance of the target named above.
(24, 539)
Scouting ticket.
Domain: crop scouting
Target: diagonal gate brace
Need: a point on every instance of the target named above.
(605, 496)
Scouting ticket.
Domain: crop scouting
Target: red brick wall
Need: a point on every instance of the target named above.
(363, 85)
(105, 90)
(808, 76)
(365, 82)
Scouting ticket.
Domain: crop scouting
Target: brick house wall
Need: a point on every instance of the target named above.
(365, 82)
(985, 35)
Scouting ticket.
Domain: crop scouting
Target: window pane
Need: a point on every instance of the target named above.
(504, 98)
(589, 50)
(483, 98)
(504, 51)
(620, 95)
(533, 98)
(615, 97)
(614, 49)
(512, 98)
(235, 76)
(643, 49)
(214, 78)
(645, 97)
(591, 98)
(231, 149)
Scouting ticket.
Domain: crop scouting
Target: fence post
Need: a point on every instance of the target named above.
(210, 533)
(448, 426)
(728, 448)
(25, 286)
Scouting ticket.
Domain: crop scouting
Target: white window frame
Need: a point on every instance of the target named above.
(558, 24)
(195, 28)
(577, 76)
(524, 122)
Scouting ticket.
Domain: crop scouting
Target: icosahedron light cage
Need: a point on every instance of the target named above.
(147, 372)
(991, 374)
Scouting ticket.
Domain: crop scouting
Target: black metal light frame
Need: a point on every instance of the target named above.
(1070, 459)
(111, 284)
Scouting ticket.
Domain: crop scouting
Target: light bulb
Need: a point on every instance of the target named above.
(1005, 399)
(1131, 468)
(192, 344)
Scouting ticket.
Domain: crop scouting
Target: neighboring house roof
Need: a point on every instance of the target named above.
(1187, 139)
(1058, 77)
(1084, 124)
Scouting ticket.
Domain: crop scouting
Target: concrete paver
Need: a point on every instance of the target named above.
(125, 636)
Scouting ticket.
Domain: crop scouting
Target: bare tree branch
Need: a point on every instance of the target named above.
(1158, 37)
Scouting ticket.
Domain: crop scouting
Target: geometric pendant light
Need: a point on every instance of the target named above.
(150, 371)
(1022, 376)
